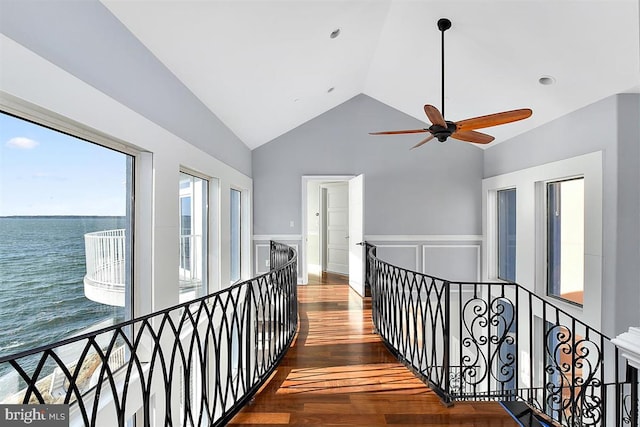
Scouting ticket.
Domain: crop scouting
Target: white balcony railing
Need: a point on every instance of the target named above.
(105, 262)
(106, 274)
(190, 268)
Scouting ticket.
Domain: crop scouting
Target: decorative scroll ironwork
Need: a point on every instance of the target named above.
(499, 341)
(488, 347)
(503, 359)
(475, 321)
(573, 364)
(192, 364)
(628, 409)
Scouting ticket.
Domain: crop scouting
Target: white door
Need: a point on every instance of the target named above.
(337, 227)
(356, 233)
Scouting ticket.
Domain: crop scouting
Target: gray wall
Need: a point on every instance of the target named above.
(592, 128)
(86, 40)
(434, 189)
(610, 126)
(628, 205)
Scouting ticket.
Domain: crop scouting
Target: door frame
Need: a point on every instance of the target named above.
(302, 253)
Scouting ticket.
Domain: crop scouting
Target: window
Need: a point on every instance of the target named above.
(506, 210)
(66, 227)
(565, 239)
(236, 228)
(532, 217)
(193, 237)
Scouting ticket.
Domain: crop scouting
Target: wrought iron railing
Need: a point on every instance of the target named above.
(190, 365)
(368, 277)
(279, 254)
(499, 341)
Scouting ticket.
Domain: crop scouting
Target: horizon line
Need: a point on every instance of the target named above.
(62, 216)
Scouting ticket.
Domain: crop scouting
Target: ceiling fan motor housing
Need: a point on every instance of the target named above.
(444, 24)
(441, 132)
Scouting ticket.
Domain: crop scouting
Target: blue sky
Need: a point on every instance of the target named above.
(43, 172)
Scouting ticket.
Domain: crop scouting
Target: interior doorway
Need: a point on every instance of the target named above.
(333, 242)
(332, 227)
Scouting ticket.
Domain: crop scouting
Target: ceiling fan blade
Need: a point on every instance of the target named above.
(494, 119)
(398, 132)
(434, 115)
(424, 141)
(472, 136)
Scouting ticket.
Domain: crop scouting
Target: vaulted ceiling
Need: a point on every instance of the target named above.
(265, 67)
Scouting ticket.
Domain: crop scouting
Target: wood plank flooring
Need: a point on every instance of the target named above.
(338, 373)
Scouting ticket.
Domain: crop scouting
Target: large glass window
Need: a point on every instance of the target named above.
(65, 251)
(236, 239)
(507, 234)
(193, 237)
(565, 239)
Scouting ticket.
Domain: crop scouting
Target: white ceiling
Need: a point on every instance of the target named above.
(264, 67)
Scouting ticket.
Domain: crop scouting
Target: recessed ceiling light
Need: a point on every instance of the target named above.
(335, 33)
(546, 80)
(330, 89)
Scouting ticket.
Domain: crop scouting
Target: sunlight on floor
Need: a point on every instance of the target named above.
(383, 377)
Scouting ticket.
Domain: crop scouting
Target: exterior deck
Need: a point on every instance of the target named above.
(106, 261)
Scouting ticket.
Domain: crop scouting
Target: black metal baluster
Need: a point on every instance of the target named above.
(633, 379)
(531, 323)
(488, 329)
(248, 335)
(516, 332)
(575, 411)
(446, 341)
(459, 332)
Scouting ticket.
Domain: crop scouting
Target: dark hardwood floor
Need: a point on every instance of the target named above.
(338, 373)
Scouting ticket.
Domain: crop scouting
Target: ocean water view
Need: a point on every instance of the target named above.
(42, 266)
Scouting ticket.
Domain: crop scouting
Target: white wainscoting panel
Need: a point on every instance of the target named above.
(450, 257)
(261, 258)
(454, 262)
(405, 256)
(261, 249)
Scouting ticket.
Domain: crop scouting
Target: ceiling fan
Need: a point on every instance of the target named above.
(463, 130)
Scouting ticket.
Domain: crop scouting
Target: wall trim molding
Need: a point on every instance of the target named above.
(423, 237)
(629, 345)
(277, 237)
(386, 237)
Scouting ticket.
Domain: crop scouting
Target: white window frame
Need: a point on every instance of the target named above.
(246, 232)
(242, 234)
(490, 228)
(207, 235)
(142, 168)
(530, 185)
(497, 244)
(545, 242)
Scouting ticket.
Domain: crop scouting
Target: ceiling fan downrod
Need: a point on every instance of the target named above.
(443, 25)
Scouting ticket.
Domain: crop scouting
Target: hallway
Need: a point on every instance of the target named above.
(337, 372)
